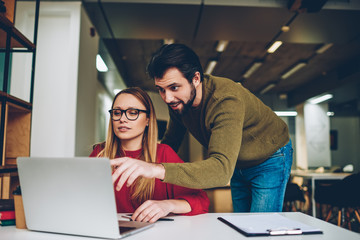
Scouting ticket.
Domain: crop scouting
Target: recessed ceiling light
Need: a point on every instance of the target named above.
(252, 69)
(283, 96)
(222, 44)
(268, 88)
(293, 70)
(324, 47)
(285, 28)
(286, 113)
(274, 46)
(210, 67)
(100, 64)
(169, 41)
(316, 100)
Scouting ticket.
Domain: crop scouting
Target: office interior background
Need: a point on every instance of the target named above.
(321, 47)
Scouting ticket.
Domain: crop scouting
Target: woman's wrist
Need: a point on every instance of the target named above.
(179, 206)
(160, 171)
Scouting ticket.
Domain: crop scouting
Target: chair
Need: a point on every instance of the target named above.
(293, 193)
(343, 196)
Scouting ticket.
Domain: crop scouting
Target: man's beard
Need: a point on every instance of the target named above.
(189, 103)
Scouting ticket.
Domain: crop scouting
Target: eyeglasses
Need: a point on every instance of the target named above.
(131, 113)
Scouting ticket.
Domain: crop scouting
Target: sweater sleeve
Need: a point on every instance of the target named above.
(197, 199)
(225, 123)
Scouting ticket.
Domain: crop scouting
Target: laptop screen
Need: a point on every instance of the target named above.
(69, 195)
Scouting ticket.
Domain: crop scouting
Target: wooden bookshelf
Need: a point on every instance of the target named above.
(8, 181)
(18, 133)
(10, 10)
(18, 40)
(16, 141)
(15, 114)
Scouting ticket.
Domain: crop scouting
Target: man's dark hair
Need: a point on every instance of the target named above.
(175, 55)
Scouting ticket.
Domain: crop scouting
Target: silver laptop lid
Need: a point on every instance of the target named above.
(69, 195)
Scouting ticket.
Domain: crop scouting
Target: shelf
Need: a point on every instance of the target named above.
(16, 140)
(15, 114)
(17, 101)
(18, 133)
(18, 40)
(9, 180)
(8, 169)
(17, 124)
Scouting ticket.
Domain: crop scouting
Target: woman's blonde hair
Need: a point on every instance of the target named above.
(143, 188)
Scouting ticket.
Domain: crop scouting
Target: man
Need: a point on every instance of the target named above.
(246, 141)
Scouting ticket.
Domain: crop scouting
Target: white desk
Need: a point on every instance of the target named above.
(317, 176)
(205, 226)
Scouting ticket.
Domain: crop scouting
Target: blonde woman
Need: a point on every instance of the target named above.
(132, 134)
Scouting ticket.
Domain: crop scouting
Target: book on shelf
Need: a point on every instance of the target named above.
(9, 222)
(7, 205)
(7, 215)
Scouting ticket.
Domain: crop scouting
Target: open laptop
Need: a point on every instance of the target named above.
(72, 196)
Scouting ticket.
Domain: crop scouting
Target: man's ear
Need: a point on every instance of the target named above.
(196, 79)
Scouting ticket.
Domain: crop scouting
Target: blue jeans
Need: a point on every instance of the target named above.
(262, 188)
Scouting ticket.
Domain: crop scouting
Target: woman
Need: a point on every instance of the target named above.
(132, 133)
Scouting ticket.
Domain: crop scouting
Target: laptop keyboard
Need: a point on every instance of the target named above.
(126, 229)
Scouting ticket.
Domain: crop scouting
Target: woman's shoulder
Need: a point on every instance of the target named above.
(97, 148)
(166, 154)
(161, 147)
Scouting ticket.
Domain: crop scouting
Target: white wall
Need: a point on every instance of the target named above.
(55, 92)
(301, 146)
(103, 104)
(70, 105)
(317, 128)
(312, 136)
(87, 89)
(348, 142)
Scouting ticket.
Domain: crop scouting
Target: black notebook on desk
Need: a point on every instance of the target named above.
(272, 224)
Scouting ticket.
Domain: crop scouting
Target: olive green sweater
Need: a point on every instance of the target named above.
(233, 124)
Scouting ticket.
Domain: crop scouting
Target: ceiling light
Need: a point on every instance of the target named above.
(116, 91)
(286, 113)
(252, 69)
(268, 88)
(222, 44)
(283, 96)
(169, 41)
(100, 64)
(210, 67)
(293, 70)
(324, 47)
(274, 47)
(285, 28)
(320, 99)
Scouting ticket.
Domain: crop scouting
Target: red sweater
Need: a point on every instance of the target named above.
(197, 199)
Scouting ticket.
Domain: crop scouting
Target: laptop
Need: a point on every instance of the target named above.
(73, 196)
